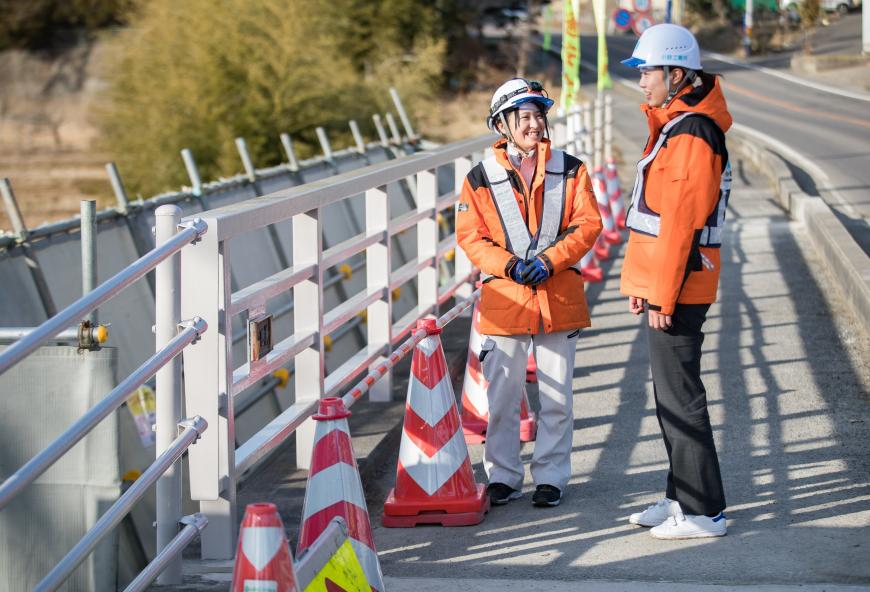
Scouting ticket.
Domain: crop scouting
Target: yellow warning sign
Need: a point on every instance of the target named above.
(343, 572)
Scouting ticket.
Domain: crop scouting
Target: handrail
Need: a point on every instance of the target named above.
(192, 430)
(194, 524)
(417, 335)
(193, 230)
(42, 461)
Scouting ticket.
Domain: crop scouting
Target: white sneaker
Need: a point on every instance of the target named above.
(653, 515)
(689, 526)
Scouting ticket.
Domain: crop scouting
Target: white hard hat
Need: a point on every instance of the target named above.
(514, 93)
(666, 45)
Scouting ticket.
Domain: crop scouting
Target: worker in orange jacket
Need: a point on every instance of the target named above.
(526, 216)
(672, 263)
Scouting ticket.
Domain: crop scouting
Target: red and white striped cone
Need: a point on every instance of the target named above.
(475, 405)
(334, 489)
(592, 273)
(434, 480)
(614, 194)
(610, 234)
(263, 559)
(531, 369)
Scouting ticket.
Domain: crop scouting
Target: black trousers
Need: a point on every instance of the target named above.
(694, 479)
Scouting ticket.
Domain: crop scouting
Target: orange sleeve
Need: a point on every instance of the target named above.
(583, 227)
(475, 238)
(690, 190)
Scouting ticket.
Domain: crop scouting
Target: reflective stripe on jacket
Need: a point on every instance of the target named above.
(641, 218)
(559, 303)
(681, 185)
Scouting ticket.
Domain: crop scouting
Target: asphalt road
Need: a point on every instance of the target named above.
(823, 135)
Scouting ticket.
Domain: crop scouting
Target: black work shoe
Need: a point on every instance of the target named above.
(500, 494)
(546, 495)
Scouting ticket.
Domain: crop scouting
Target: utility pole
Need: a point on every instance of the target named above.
(865, 28)
(747, 29)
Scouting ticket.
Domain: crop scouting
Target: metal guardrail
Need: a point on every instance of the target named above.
(170, 444)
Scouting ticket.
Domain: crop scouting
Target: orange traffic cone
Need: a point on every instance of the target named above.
(614, 194)
(592, 273)
(434, 480)
(531, 368)
(334, 489)
(610, 233)
(263, 559)
(475, 405)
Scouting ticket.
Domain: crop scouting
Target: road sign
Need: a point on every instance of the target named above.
(641, 22)
(622, 19)
(643, 6)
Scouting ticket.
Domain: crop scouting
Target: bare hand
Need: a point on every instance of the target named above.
(659, 321)
(635, 305)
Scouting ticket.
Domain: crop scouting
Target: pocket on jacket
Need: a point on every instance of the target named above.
(500, 294)
(566, 288)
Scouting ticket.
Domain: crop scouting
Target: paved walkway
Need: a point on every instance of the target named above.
(787, 388)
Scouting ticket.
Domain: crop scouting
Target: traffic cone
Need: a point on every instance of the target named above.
(592, 273)
(614, 194)
(475, 405)
(334, 489)
(263, 559)
(434, 480)
(531, 368)
(609, 235)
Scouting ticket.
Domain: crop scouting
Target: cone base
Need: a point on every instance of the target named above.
(602, 252)
(463, 512)
(593, 275)
(528, 428)
(473, 437)
(611, 237)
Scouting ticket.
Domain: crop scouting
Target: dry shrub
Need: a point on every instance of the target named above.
(197, 74)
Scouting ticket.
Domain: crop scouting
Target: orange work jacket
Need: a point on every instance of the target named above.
(558, 303)
(682, 187)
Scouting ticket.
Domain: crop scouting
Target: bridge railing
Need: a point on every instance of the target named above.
(171, 341)
(213, 378)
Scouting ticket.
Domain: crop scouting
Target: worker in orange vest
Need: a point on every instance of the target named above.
(672, 263)
(526, 216)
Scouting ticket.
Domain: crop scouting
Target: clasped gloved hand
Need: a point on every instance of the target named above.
(517, 271)
(534, 272)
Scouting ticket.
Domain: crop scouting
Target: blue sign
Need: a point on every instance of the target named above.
(622, 19)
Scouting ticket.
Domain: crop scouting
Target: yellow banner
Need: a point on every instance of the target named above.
(599, 8)
(570, 56)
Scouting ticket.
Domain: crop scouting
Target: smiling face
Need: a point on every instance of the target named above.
(652, 83)
(526, 126)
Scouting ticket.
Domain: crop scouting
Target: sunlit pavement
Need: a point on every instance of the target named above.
(791, 419)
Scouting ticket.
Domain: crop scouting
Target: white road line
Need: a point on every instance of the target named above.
(858, 96)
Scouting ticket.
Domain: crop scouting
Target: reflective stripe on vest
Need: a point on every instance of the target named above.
(641, 218)
(520, 241)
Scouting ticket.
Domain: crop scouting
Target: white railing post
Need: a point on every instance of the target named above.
(379, 315)
(587, 138)
(308, 317)
(608, 128)
(403, 115)
(461, 263)
(167, 306)
(427, 242)
(205, 292)
(598, 141)
(394, 129)
(382, 133)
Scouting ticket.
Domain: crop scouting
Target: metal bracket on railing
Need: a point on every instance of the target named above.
(92, 336)
(197, 520)
(197, 423)
(197, 324)
(197, 224)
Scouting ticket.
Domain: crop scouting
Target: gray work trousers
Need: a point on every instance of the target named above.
(504, 367)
